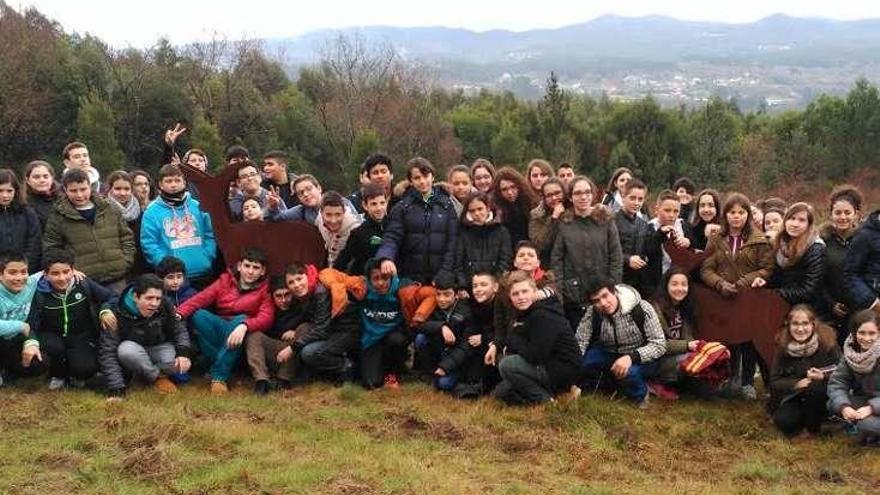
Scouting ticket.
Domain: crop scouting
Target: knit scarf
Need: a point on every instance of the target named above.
(131, 211)
(175, 199)
(803, 349)
(861, 362)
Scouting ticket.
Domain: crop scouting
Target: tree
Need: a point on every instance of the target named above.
(654, 136)
(96, 127)
(206, 136)
(508, 145)
(553, 114)
(713, 135)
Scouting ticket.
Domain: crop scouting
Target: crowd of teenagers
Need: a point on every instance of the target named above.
(529, 287)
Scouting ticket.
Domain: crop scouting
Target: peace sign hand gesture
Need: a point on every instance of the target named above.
(171, 135)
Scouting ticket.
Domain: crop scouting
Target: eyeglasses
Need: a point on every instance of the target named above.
(581, 193)
(554, 194)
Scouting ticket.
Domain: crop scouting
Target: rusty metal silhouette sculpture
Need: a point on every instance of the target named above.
(753, 315)
(283, 242)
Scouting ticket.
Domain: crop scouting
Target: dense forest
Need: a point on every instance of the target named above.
(56, 86)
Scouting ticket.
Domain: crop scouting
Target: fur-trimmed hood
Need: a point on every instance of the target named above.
(600, 214)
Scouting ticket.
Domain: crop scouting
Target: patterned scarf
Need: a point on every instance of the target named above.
(803, 349)
(131, 211)
(861, 362)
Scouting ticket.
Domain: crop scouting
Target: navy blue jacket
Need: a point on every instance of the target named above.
(421, 235)
(862, 263)
(20, 232)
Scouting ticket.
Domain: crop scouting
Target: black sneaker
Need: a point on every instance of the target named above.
(261, 387)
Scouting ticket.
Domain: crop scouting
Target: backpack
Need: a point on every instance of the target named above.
(637, 314)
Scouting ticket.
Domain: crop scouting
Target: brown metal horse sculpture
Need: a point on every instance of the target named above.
(283, 242)
(753, 315)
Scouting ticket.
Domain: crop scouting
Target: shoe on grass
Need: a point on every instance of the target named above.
(164, 386)
(661, 391)
(643, 404)
(219, 388)
(749, 393)
(57, 383)
(261, 387)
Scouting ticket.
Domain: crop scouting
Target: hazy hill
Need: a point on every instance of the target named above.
(595, 56)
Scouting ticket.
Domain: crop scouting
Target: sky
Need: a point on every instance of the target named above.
(141, 23)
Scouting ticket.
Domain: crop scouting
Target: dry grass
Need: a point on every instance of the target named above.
(347, 441)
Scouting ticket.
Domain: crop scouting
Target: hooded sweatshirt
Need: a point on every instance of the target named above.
(14, 308)
(336, 242)
(183, 231)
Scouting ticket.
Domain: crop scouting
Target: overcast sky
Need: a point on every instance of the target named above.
(140, 23)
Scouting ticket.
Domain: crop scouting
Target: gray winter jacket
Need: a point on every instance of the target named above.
(583, 249)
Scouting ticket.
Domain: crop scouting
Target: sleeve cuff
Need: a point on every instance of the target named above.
(31, 343)
(636, 357)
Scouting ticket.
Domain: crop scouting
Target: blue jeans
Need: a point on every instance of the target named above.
(212, 332)
(597, 361)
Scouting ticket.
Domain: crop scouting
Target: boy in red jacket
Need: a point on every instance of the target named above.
(242, 305)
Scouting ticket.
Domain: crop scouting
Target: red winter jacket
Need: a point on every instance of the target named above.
(229, 300)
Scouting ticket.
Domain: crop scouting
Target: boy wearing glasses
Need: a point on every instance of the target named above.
(250, 186)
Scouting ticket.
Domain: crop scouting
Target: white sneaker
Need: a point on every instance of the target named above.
(749, 392)
(56, 383)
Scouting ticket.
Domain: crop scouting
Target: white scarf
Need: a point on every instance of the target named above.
(861, 362)
(131, 211)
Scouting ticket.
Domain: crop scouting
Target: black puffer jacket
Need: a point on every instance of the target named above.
(481, 248)
(542, 336)
(862, 265)
(162, 327)
(834, 286)
(801, 283)
(20, 232)
(421, 235)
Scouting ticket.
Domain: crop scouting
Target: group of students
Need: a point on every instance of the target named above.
(526, 287)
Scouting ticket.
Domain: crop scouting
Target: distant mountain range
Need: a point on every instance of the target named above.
(787, 58)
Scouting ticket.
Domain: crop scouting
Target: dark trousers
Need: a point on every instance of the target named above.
(805, 410)
(597, 363)
(328, 356)
(747, 357)
(71, 356)
(10, 359)
(522, 382)
(389, 355)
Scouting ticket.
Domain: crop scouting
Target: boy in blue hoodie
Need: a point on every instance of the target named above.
(19, 352)
(64, 318)
(174, 225)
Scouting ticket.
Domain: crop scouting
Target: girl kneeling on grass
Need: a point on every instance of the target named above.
(806, 355)
(675, 308)
(854, 387)
(543, 357)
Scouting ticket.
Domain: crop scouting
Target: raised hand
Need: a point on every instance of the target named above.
(171, 135)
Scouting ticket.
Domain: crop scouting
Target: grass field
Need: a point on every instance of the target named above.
(326, 440)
